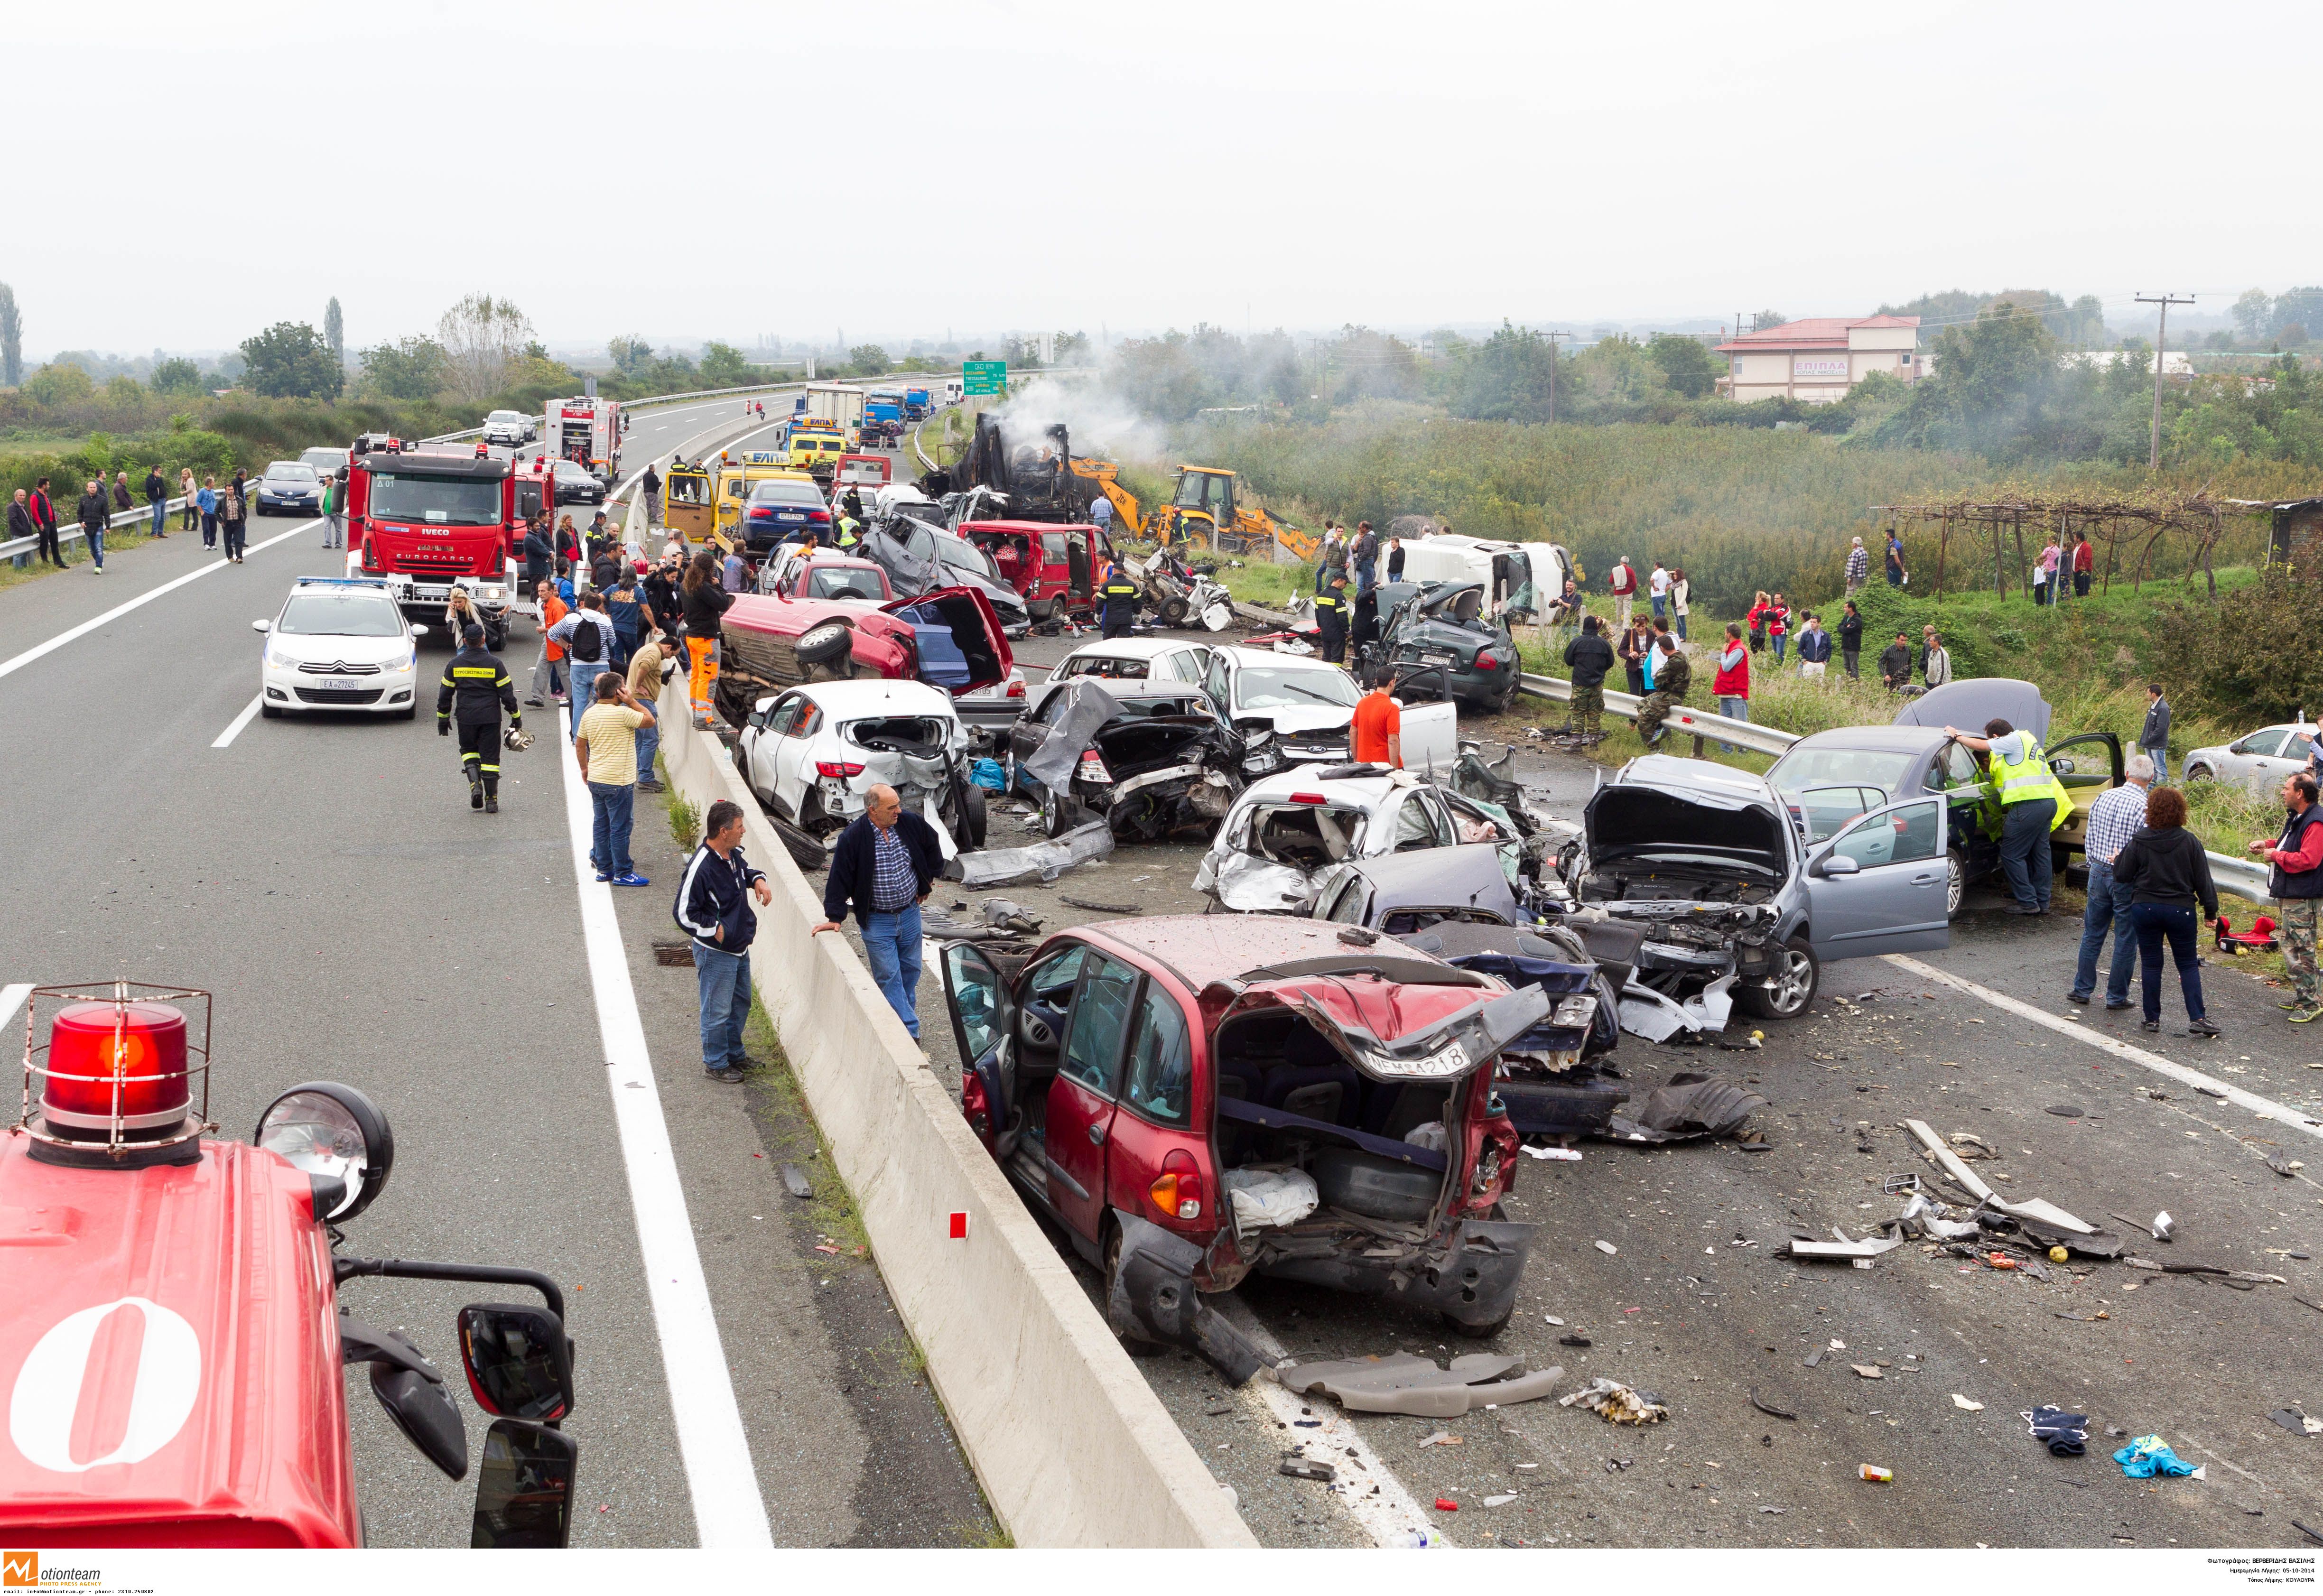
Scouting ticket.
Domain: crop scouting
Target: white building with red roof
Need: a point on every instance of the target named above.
(1817, 359)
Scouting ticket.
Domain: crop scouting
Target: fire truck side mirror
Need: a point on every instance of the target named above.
(524, 1491)
(519, 1361)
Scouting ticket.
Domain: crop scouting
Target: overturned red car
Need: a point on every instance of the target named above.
(1195, 1098)
(949, 638)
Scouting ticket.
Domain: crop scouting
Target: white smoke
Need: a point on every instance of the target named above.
(1101, 425)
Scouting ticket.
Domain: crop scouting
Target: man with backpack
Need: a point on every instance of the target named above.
(587, 639)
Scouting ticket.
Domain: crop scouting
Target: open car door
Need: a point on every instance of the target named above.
(983, 1024)
(1878, 886)
(2087, 766)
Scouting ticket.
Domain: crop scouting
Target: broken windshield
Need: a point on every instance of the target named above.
(1272, 687)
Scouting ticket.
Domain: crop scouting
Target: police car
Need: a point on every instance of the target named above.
(340, 643)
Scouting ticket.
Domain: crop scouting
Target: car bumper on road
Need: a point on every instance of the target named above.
(1470, 1277)
(288, 688)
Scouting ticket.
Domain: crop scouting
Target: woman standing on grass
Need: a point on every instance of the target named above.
(2167, 871)
(1635, 641)
(1680, 591)
(1756, 616)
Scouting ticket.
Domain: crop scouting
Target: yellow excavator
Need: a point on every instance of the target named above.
(1202, 512)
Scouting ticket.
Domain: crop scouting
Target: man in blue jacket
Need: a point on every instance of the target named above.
(885, 863)
(713, 908)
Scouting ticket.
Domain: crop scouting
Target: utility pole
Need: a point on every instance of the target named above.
(2161, 346)
(1551, 338)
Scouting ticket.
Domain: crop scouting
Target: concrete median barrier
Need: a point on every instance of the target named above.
(1071, 1444)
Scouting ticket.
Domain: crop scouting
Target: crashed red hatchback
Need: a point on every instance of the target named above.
(949, 638)
(1197, 1097)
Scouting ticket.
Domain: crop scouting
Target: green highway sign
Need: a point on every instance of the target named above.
(984, 376)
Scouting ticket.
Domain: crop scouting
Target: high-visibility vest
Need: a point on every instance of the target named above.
(846, 532)
(2031, 780)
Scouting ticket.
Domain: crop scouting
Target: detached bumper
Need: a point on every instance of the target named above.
(1153, 1298)
(1470, 1275)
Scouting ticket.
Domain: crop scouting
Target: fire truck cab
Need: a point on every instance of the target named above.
(172, 1339)
(427, 523)
(587, 429)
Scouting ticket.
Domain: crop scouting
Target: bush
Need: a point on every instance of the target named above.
(2257, 655)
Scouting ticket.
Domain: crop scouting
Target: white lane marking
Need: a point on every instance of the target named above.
(12, 999)
(1389, 1514)
(2265, 1107)
(720, 1476)
(249, 713)
(38, 650)
(631, 481)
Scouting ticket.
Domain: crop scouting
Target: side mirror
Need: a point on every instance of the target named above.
(1836, 864)
(419, 631)
(261, 626)
(519, 1361)
(524, 1491)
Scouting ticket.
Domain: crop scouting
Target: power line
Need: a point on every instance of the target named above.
(2160, 344)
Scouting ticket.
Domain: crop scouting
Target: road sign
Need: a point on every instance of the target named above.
(984, 376)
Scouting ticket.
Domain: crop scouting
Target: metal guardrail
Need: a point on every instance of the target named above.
(22, 548)
(1700, 723)
(2244, 879)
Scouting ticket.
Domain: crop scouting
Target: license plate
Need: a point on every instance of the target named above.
(340, 684)
(799, 517)
(1436, 659)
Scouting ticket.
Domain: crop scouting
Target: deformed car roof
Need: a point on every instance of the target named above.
(1470, 875)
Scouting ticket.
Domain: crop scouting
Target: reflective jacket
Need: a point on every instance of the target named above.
(482, 686)
(2029, 779)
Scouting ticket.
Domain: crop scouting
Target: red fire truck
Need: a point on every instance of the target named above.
(587, 429)
(171, 1337)
(430, 522)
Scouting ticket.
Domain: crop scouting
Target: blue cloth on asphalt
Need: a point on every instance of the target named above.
(2146, 1457)
(989, 775)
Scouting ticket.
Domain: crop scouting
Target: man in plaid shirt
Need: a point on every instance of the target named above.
(2114, 818)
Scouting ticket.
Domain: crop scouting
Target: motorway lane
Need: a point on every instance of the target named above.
(2201, 1364)
(325, 878)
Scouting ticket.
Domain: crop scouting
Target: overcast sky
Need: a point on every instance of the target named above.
(687, 170)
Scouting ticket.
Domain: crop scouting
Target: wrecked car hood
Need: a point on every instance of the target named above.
(1396, 1031)
(1079, 707)
(1972, 701)
(1672, 818)
(1293, 718)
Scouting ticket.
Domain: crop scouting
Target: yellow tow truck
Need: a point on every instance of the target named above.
(686, 505)
(737, 477)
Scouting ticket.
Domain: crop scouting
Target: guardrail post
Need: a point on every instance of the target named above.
(1700, 746)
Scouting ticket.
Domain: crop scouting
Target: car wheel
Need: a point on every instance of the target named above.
(1791, 988)
(1054, 814)
(824, 645)
(2200, 773)
(972, 815)
(806, 852)
(269, 712)
(1955, 884)
(411, 711)
(1172, 612)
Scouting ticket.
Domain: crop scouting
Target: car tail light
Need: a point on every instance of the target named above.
(1015, 687)
(835, 770)
(1307, 798)
(818, 514)
(1093, 766)
(1177, 1191)
(974, 1103)
(1485, 662)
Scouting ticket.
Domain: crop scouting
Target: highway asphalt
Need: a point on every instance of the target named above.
(324, 878)
(1679, 1308)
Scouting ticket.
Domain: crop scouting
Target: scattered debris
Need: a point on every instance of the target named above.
(1815, 1357)
(1401, 1382)
(1875, 1473)
(1862, 1251)
(998, 866)
(2066, 1434)
(1302, 1468)
(1552, 1318)
(1966, 1406)
(2296, 1422)
(1446, 1505)
(1684, 1106)
(1869, 1371)
(1574, 1341)
(2031, 1208)
(1501, 1501)
(2210, 1091)
(1094, 906)
(1564, 1155)
(1767, 1509)
(2313, 1535)
(2283, 1164)
(1770, 1409)
(1008, 915)
(2133, 1224)
(2162, 1225)
(1445, 1438)
(2147, 1456)
(1218, 1410)
(1616, 1403)
(2066, 1110)
(1607, 1248)
(2085, 1319)
(795, 1181)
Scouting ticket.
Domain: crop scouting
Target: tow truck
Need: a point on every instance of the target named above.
(173, 1331)
(586, 429)
(430, 522)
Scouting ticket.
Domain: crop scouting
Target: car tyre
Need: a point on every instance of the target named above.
(972, 815)
(1797, 973)
(1955, 883)
(411, 711)
(827, 643)
(269, 712)
(1172, 612)
(2200, 773)
(1055, 814)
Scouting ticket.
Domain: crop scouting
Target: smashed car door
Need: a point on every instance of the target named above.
(1081, 1098)
(1878, 887)
(983, 1024)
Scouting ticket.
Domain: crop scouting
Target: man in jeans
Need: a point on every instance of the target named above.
(645, 686)
(157, 494)
(334, 509)
(713, 908)
(2154, 737)
(587, 639)
(94, 514)
(885, 864)
(2114, 818)
(607, 746)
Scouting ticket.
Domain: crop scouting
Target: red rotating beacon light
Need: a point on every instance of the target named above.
(113, 1083)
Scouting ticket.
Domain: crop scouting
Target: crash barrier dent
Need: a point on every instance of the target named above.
(2240, 878)
(1070, 1444)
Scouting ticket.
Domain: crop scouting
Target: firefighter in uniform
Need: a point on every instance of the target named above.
(1119, 596)
(1331, 608)
(483, 687)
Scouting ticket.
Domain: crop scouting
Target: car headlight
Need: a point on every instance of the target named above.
(404, 664)
(277, 659)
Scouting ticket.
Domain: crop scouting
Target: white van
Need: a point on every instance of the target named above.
(1505, 569)
(953, 391)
